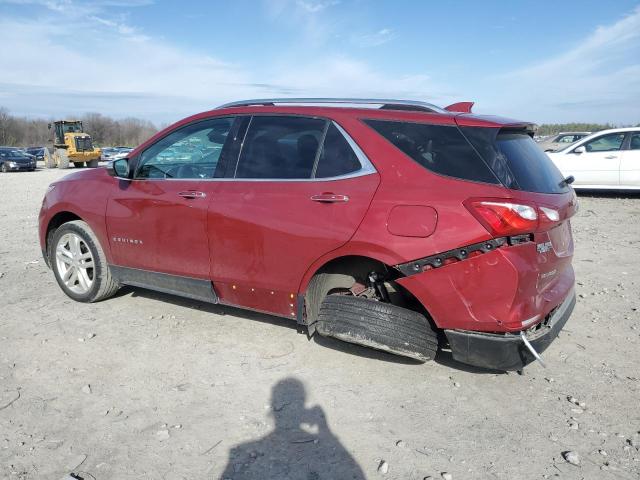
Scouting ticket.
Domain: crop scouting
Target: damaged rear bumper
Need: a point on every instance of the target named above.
(508, 351)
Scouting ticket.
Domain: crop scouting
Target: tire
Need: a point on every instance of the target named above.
(93, 163)
(48, 159)
(78, 164)
(4, 168)
(103, 285)
(378, 325)
(62, 157)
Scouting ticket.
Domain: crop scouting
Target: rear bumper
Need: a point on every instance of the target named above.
(508, 352)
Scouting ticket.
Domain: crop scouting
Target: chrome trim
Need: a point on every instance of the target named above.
(384, 103)
(367, 168)
(365, 163)
(535, 354)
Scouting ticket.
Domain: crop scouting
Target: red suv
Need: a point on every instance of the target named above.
(397, 225)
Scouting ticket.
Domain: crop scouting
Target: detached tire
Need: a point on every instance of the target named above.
(378, 325)
(79, 263)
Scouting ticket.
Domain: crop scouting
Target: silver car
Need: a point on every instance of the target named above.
(561, 140)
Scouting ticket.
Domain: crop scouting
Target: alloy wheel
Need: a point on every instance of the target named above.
(75, 263)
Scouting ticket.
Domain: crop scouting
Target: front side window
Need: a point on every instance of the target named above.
(605, 143)
(567, 138)
(190, 152)
(635, 142)
(280, 147)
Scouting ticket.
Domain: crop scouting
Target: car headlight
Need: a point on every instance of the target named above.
(13, 164)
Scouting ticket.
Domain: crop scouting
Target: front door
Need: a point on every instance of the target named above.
(157, 221)
(599, 164)
(299, 190)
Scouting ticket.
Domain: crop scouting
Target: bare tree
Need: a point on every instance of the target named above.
(105, 131)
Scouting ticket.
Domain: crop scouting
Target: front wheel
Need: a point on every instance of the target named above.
(62, 159)
(49, 162)
(93, 163)
(4, 168)
(79, 263)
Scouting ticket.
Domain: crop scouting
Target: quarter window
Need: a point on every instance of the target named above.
(337, 157)
(605, 143)
(439, 148)
(190, 152)
(279, 147)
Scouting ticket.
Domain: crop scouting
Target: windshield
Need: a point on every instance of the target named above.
(71, 127)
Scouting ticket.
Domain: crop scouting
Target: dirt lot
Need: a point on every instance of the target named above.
(151, 386)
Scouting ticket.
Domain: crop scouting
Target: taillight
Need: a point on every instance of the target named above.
(503, 218)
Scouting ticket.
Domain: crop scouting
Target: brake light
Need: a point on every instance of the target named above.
(503, 218)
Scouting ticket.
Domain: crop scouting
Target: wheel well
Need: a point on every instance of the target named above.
(56, 221)
(336, 274)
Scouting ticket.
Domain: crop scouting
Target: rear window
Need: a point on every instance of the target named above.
(516, 160)
(439, 148)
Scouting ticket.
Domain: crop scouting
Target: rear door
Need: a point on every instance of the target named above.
(157, 221)
(598, 165)
(300, 189)
(630, 162)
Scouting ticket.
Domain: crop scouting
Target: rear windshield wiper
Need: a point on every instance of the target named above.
(567, 181)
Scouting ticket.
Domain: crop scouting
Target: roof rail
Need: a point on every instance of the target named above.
(383, 103)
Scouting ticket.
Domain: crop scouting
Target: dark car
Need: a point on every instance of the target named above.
(12, 159)
(37, 152)
(405, 227)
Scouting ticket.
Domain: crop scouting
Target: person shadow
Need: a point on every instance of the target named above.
(301, 447)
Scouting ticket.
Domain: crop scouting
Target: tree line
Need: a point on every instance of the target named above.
(553, 128)
(105, 131)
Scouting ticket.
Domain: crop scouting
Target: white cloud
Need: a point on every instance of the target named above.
(100, 63)
(596, 80)
(315, 7)
(374, 39)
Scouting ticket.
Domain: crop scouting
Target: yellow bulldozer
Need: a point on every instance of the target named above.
(71, 145)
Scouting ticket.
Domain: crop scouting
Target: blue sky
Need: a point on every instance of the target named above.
(163, 60)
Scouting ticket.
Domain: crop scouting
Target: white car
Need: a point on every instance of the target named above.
(609, 159)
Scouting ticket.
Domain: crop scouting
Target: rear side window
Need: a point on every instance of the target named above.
(337, 157)
(279, 147)
(516, 160)
(439, 148)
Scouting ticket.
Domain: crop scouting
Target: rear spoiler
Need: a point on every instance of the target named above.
(461, 107)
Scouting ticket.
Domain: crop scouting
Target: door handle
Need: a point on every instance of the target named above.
(609, 157)
(192, 194)
(329, 198)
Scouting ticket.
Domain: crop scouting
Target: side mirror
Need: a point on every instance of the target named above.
(581, 149)
(119, 168)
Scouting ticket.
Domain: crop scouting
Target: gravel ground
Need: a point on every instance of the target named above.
(147, 385)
